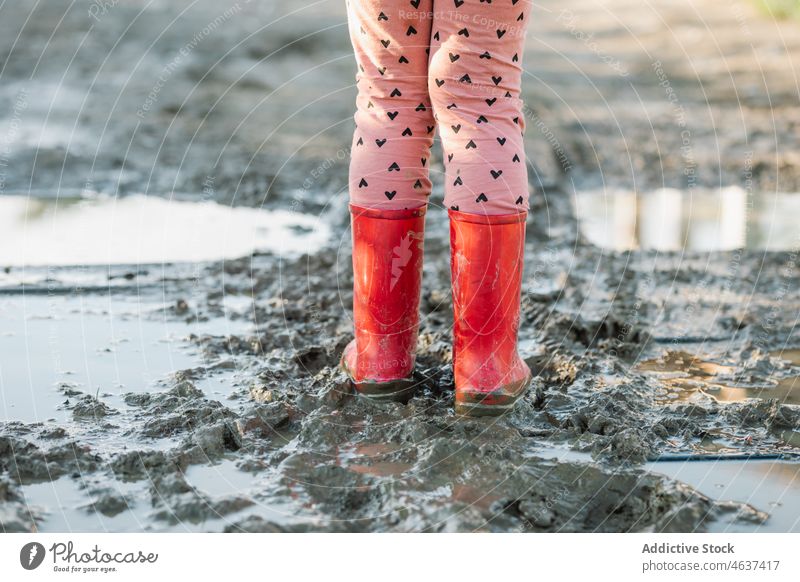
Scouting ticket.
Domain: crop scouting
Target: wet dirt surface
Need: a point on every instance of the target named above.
(686, 378)
(206, 396)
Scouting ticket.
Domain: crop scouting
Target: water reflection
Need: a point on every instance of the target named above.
(685, 376)
(770, 486)
(144, 230)
(700, 220)
(91, 345)
(377, 459)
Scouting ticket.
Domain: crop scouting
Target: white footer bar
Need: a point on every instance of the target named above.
(388, 557)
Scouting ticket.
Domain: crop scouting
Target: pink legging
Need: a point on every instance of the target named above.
(455, 64)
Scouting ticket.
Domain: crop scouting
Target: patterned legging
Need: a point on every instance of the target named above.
(451, 63)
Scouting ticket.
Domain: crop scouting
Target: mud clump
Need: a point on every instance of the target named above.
(177, 502)
(109, 503)
(25, 463)
(136, 465)
(263, 422)
(89, 407)
(626, 502)
(184, 409)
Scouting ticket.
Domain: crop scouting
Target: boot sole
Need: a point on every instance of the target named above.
(400, 390)
(474, 410)
(474, 406)
(394, 391)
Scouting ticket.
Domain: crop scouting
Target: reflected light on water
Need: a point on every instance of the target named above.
(697, 220)
(142, 229)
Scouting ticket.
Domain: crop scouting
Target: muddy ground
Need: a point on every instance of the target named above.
(251, 105)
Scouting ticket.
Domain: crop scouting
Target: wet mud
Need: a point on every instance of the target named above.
(247, 424)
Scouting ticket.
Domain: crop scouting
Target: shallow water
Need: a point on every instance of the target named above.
(65, 507)
(769, 486)
(66, 504)
(60, 347)
(700, 220)
(685, 377)
(123, 343)
(140, 230)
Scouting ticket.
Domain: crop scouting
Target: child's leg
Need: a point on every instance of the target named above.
(389, 189)
(474, 83)
(394, 120)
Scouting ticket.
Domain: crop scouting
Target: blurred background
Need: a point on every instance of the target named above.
(251, 101)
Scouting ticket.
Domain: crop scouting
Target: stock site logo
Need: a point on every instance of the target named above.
(402, 254)
(31, 555)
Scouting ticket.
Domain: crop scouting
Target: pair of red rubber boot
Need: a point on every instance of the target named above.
(486, 259)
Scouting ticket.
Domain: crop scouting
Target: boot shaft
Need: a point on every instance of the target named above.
(486, 259)
(486, 263)
(387, 276)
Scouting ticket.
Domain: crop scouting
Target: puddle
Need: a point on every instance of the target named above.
(685, 377)
(770, 486)
(88, 278)
(700, 220)
(221, 479)
(50, 346)
(373, 459)
(563, 454)
(66, 504)
(136, 230)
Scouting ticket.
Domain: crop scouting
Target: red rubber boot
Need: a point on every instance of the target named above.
(387, 274)
(486, 259)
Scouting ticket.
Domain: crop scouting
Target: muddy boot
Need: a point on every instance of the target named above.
(387, 273)
(486, 258)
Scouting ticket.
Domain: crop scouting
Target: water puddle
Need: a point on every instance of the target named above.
(54, 350)
(770, 486)
(563, 454)
(139, 230)
(700, 220)
(221, 479)
(685, 377)
(373, 459)
(71, 505)
(64, 505)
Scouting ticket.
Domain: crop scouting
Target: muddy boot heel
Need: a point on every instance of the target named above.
(495, 403)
